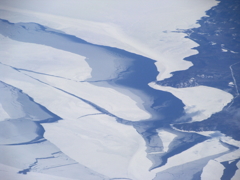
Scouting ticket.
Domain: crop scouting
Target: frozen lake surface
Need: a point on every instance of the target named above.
(76, 108)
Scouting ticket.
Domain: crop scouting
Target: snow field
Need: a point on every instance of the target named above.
(17, 131)
(43, 59)
(103, 147)
(9, 98)
(107, 98)
(110, 99)
(102, 144)
(46, 158)
(54, 100)
(10, 173)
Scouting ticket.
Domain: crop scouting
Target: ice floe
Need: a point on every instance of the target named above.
(202, 150)
(44, 60)
(103, 145)
(121, 145)
(200, 101)
(208, 171)
(105, 97)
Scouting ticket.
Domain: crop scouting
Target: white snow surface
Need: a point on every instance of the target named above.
(98, 135)
(105, 97)
(10, 173)
(112, 100)
(4, 114)
(44, 59)
(205, 149)
(230, 140)
(232, 155)
(127, 28)
(200, 101)
(212, 171)
(9, 97)
(103, 145)
(56, 101)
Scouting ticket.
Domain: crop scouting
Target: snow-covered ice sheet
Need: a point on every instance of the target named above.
(202, 160)
(17, 105)
(103, 145)
(43, 59)
(56, 101)
(200, 101)
(70, 108)
(105, 97)
(4, 114)
(8, 100)
(209, 173)
(202, 150)
(132, 30)
(121, 105)
(45, 158)
(17, 131)
(10, 173)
